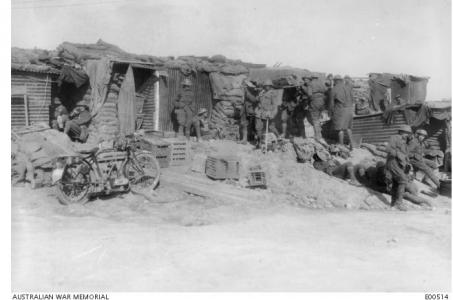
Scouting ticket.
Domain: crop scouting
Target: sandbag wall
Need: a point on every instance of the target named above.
(228, 98)
(105, 125)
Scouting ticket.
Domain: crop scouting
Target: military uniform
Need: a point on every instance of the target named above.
(342, 106)
(397, 167)
(77, 127)
(317, 105)
(266, 109)
(288, 115)
(200, 124)
(183, 110)
(416, 150)
(247, 113)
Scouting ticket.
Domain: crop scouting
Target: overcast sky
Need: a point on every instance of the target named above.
(352, 37)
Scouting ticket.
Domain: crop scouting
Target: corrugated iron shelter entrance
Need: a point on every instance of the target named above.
(31, 96)
(168, 90)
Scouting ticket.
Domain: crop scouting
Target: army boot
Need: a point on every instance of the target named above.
(398, 203)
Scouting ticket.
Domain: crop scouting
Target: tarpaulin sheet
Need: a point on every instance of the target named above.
(417, 114)
(412, 89)
(126, 104)
(76, 76)
(99, 72)
(227, 87)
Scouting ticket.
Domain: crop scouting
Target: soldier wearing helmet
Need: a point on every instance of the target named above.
(266, 109)
(398, 165)
(416, 148)
(247, 111)
(183, 108)
(313, 94)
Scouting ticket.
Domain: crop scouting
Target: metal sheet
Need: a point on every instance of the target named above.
(39, 89)
(373, 129)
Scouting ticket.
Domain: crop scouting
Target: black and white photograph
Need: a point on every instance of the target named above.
(193, 146)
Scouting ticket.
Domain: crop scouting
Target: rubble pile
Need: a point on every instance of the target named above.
(39, 149)
(361, 89)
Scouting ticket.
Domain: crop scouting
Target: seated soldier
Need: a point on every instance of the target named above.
(417, 147)
(61, 117)
(77, 127)
(200, 123)
(370, 176)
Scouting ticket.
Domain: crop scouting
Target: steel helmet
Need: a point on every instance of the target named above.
(187, 82)
(268, 82)
(337, 77)
(421, 132)
(405, 128)
(202, 111)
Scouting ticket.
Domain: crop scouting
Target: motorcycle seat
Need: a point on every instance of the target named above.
(89, 150)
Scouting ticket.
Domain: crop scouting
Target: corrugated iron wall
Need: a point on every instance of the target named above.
(148, 104)
(38, 88)
(202, 91)
(373, 129)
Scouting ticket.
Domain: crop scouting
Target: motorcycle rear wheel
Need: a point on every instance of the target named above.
(74, 186)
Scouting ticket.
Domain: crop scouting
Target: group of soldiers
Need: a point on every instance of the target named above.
(262, 109)
(312, 98)
(405, 153)
(184, 113)
(405, 156)
(74, 124)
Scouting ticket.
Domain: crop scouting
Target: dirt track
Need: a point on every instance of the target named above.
(190, 243)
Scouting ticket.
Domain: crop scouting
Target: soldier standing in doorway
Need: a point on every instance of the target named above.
(183, 108)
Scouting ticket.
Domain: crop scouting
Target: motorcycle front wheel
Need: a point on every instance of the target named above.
(143, 172)
(75, 184)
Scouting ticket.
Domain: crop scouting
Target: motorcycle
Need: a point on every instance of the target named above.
(95, 172)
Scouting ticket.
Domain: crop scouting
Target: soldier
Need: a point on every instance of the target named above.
(288, 116)
(397, 165)
(248, 110)
(200, 123)
(302, 109)
(183, 108)
(266, 110)
(317, 104)
(77, 127)
(416, 148)
(341, 108)
(61, 117)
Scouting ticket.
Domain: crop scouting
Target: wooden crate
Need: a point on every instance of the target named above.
(158, 147)
(222, 167)
(179, 151)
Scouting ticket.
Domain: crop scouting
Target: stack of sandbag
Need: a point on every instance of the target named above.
(105, 125)
(361, 91)
(228, 94)
(224, 118)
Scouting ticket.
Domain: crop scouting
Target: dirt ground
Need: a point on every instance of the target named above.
(181, 242)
